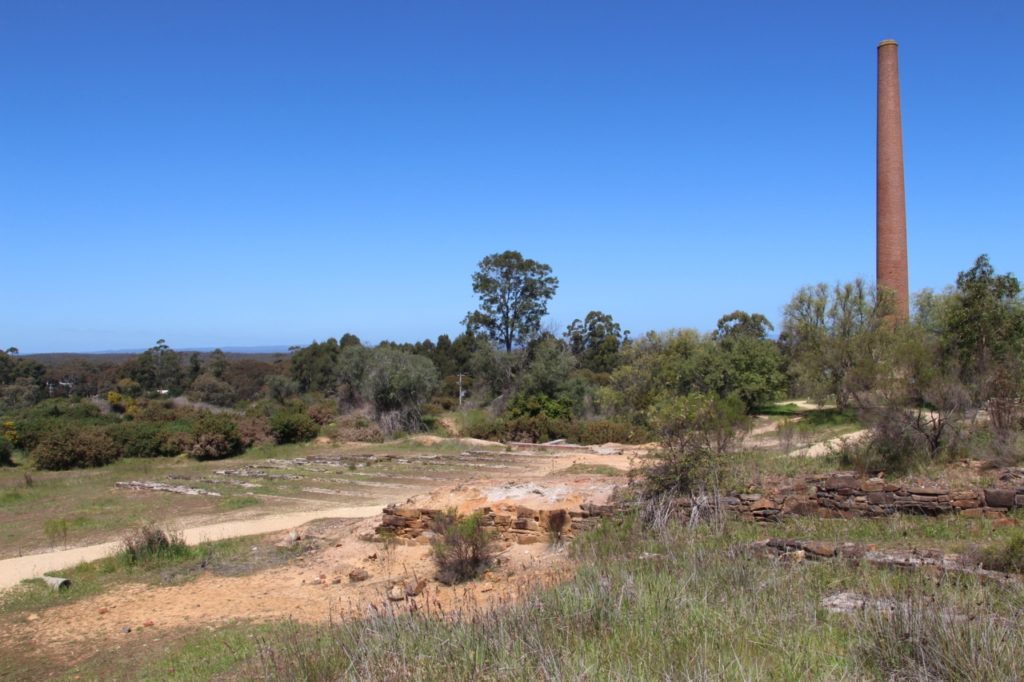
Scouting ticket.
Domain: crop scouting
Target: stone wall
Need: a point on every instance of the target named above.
(839, 495)
(847, 495)
(513, 523)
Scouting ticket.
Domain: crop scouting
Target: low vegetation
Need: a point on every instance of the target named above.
(674, 603)
(463, 548)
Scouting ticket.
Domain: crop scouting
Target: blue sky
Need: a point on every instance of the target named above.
(248, 173)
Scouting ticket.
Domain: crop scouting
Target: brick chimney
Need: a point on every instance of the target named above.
(891, 209)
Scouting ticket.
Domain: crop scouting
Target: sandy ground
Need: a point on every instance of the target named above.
(311, 589)
(13, 571)
(315, 585)
(825, 447)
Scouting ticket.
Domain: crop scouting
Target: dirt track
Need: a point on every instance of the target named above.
(13, 571)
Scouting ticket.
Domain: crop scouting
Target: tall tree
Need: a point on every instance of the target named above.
(595, 341)
(514, 294)
(827, 331)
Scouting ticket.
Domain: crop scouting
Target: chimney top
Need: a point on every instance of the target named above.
(888, 41)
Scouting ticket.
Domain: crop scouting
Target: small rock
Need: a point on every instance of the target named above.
(794, 557)
(33, 616)
(821, 549)
(335, 580)
(104, 610)
(294, 536)
(415, 586)
(996, 497)
(148, 624)
(126, 629)
(396, 593)
(358, 575)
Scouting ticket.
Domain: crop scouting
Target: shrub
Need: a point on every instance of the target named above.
(1007, 557)
(694, 430)
(893, 446)
(141, 439)
(397, 384)
(281, 388)
(6, 451)
(149, 543)
(293, 427)
(209, 389)
(538, 404)
(322, 413)
(538, 429)
(68, 447)
(356, 428)
(598, 431)
(463, 548)
(216, 437)
(254, 430)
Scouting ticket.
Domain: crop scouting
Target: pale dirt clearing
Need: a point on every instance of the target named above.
(825, 447)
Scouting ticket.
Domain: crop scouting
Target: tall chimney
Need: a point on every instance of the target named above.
(891, 208)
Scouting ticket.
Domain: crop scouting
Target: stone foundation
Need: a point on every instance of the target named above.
(840, 495)
(514, 523)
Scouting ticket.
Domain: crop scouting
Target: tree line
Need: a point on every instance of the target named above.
(920, 385)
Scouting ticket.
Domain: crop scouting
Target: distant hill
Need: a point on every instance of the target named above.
(266, 353)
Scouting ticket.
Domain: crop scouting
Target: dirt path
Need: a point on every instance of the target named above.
(13, 571)
(825, 447)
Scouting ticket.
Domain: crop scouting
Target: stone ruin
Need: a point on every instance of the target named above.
(839, 495)
(517, 524)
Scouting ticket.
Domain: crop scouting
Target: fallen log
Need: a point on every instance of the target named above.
(814, 550)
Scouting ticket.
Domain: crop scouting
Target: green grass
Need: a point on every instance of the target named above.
(778, 410)
(597, 469)
(670, 604)
(232, 503)
(829, 417)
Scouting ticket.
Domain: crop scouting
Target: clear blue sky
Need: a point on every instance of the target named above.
(251, 173)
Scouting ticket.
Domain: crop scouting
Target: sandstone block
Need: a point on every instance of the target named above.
(763, 503)
(997, 497)
(820, 549)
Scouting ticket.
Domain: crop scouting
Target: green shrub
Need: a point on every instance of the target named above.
(141, 439)
(209, 389)
(293, 427)
(463, 548)
(63, 407)
(216, 437)
(598, 431)
(149, 544)
(694, 431)
(537, 429)
(6, 451)
(540, 405)
(1007, 557)
(68, 447)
